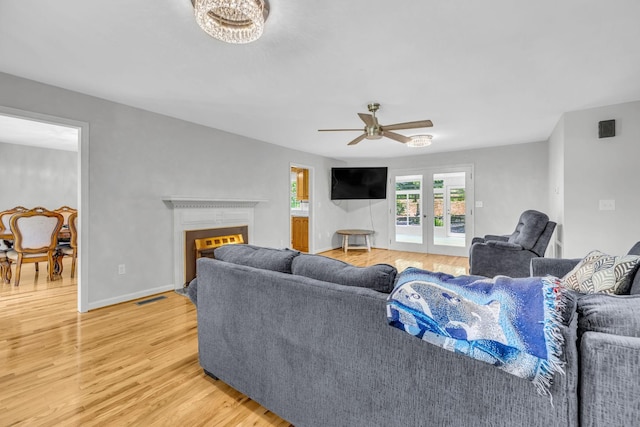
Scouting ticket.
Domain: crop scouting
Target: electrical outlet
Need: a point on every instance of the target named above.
(607, 205)
(121, 269)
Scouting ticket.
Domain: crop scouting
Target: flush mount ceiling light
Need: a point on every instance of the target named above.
(420, 141)
(232, 21)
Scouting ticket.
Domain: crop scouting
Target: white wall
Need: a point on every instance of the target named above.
(508, 180)
(556, 188)
(601, 169)
(136, 157)
(34, 176)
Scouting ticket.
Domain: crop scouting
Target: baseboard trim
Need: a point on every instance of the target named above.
(318, 251)
(129, 297)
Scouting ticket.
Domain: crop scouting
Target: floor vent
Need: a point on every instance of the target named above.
(147, 301)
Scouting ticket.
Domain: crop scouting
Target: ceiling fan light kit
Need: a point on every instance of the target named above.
(232, 21)
(420, 141)
(374, 130)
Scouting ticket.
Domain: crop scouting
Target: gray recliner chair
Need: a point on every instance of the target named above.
(511, 255)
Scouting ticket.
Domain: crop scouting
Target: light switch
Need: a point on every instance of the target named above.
(478, 204)
(607, 205)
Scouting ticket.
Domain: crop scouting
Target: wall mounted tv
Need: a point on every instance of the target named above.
(358, 183)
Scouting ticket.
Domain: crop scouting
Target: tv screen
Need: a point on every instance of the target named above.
(358, 183)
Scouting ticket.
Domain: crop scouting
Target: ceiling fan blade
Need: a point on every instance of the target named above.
(367, 119)
(338, 130)
(396, 136)
(358, 139)
(409, 125)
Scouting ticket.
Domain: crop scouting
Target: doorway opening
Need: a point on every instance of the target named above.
(300, 207)
(28, 128)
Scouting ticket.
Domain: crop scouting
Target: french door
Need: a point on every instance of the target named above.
(431, 210)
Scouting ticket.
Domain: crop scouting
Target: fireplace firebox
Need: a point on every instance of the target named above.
(190, 237)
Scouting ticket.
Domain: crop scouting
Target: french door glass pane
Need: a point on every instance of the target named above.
(449, 209)
(457, 203)
(438, 208)
(401, 209)
(413, 209)
(408, 209)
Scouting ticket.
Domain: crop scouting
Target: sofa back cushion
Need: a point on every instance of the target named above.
(530, 226)
(379, 277)
(609, 314)
(257, 257)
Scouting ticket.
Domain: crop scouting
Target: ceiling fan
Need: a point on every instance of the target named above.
(374, 130)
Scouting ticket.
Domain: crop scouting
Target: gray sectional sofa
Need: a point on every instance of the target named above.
(609, 349)
(307, 337)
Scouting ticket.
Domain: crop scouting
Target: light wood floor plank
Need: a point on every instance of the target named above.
(125, 364)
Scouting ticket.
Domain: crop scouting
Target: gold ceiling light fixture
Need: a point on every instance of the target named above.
(417, 141)
(232, 21)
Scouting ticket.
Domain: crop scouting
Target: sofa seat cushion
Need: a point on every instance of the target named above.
(257, 257)
(379, 277)
(602, 273)
(610, 314)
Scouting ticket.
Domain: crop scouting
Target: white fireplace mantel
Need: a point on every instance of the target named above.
(186, 202)
(197, 213)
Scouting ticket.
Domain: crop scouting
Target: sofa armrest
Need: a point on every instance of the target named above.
(491, 260)
(557, 267)
(477, 240)
(609, 387)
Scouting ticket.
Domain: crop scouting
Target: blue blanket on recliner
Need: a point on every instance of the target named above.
(510, 323)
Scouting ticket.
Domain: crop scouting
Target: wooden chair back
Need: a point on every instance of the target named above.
(36, 230)
(66, 212)
(5, 217)
(73, 227)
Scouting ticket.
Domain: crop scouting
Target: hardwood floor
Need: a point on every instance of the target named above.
(126, 364)
(401, 260)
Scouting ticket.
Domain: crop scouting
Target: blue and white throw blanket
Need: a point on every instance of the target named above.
(511, 323)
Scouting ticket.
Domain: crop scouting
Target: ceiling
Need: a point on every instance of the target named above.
(15, 130)
(486, 73)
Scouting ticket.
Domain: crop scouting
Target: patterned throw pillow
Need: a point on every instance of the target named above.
(602, 273)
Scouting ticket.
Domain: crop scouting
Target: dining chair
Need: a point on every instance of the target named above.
(6, 241)
(35, 234)
(66, 212)
(71, 249)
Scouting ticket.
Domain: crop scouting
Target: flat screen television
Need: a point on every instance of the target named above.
(358, 183)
